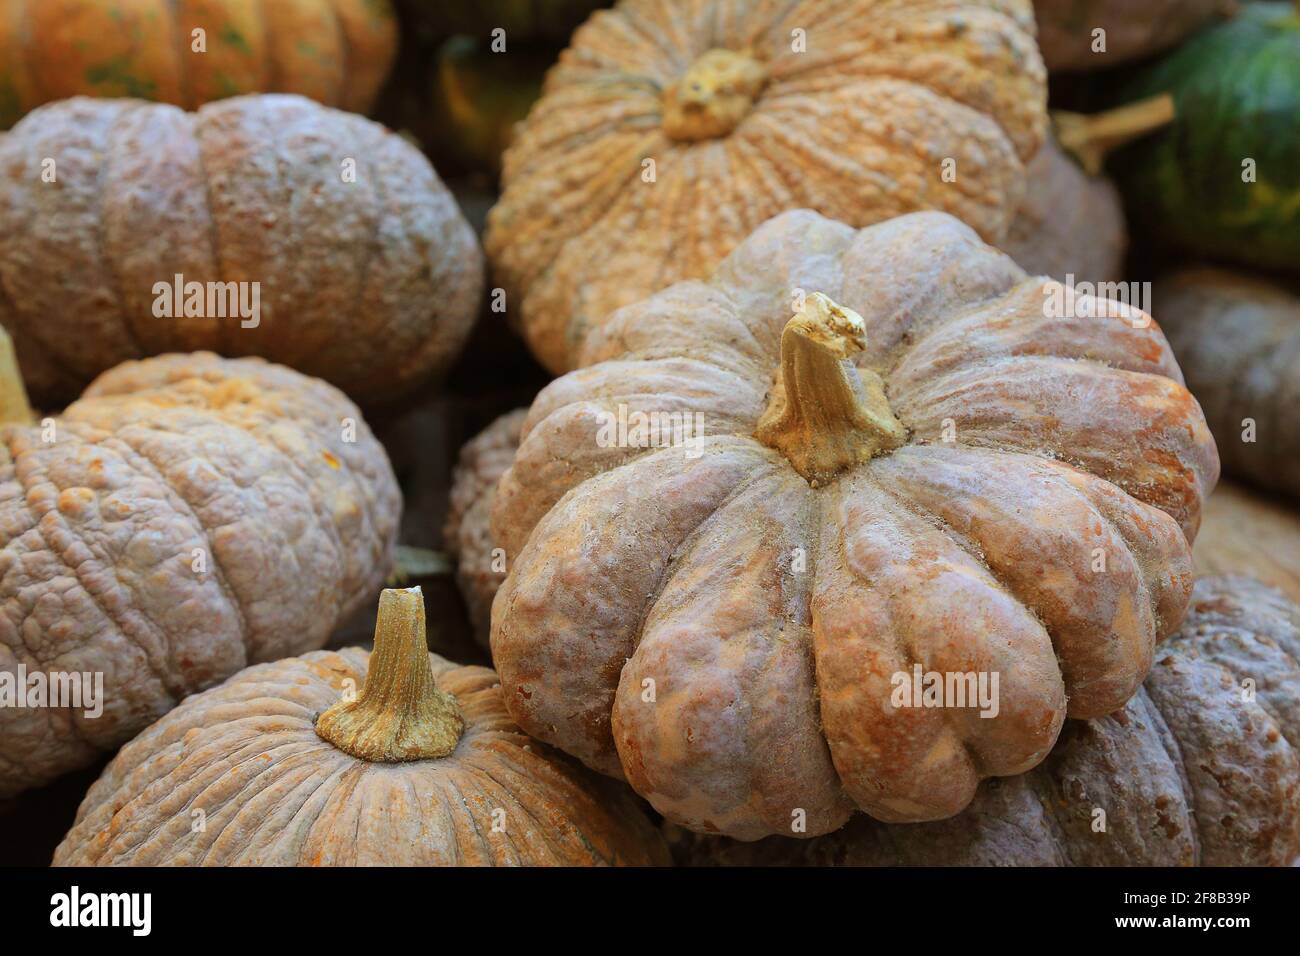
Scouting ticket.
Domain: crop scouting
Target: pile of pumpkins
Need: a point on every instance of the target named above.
(818, 419)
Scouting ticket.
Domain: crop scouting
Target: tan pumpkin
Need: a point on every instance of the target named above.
(370, 281)
(1067, 29)
(335, 51)
(1194, 771)
(1070, 225)
(480, 565)
(670, 129)
(422, 767)
(936, 482)
(1245, 532)
(1238, 340)
(188, 516)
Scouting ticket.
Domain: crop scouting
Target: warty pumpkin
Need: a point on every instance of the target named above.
(1069, 224)
(1131, 30)
(670, 129)
(335, 51)
(480, 564)
(720, 614)
(189, 515)
(1238, 340)
(1200, 768)
(286, 765)
(371, 281)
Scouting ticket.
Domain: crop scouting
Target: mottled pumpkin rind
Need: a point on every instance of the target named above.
(371, 281)
(1190, 773)
(192, 515)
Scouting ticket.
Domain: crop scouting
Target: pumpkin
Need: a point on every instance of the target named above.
(522, 20)
(189, 515)
(480, 564)
(1238, 341)
(1224, 179)
(668, 131)
(1244, 532)
(370, 281)
(335, 51)
(732, 532)
(1131, 30)
(286, 768)
(477, 99)
(1070, 225)
(1193, 771)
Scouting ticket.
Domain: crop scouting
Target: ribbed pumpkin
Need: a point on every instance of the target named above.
(1238, 340)
(189, 515)
(732, 530)
(480, 566)
(1131, 30)
(286, 764)
(670, 129)
(1069, 224)
(335, 51)
(1201, 768)
(370, 280)
(1224, 179)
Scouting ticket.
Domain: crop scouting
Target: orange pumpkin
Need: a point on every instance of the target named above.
(334, 51)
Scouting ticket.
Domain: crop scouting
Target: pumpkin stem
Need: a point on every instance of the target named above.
(15, 409)
(1090, 139)
(825, 414)
(712, 96)
(400, 713)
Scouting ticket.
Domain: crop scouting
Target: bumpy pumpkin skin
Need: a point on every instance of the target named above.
(245, 461)
(276, 794)
(1188, 773)
(677, 564)
(1069, 224)
(857, 127)
(1133, 30)
(467, 533)
(372, 285)
(337, 52)
(1238, 339)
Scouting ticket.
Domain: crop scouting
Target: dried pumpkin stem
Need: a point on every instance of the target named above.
(715, 93)
(825, 414)
(400, 713)
(15, 409)
(1089, 139)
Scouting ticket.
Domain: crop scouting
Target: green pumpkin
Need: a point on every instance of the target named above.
(1236, 88)
(477, 98)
